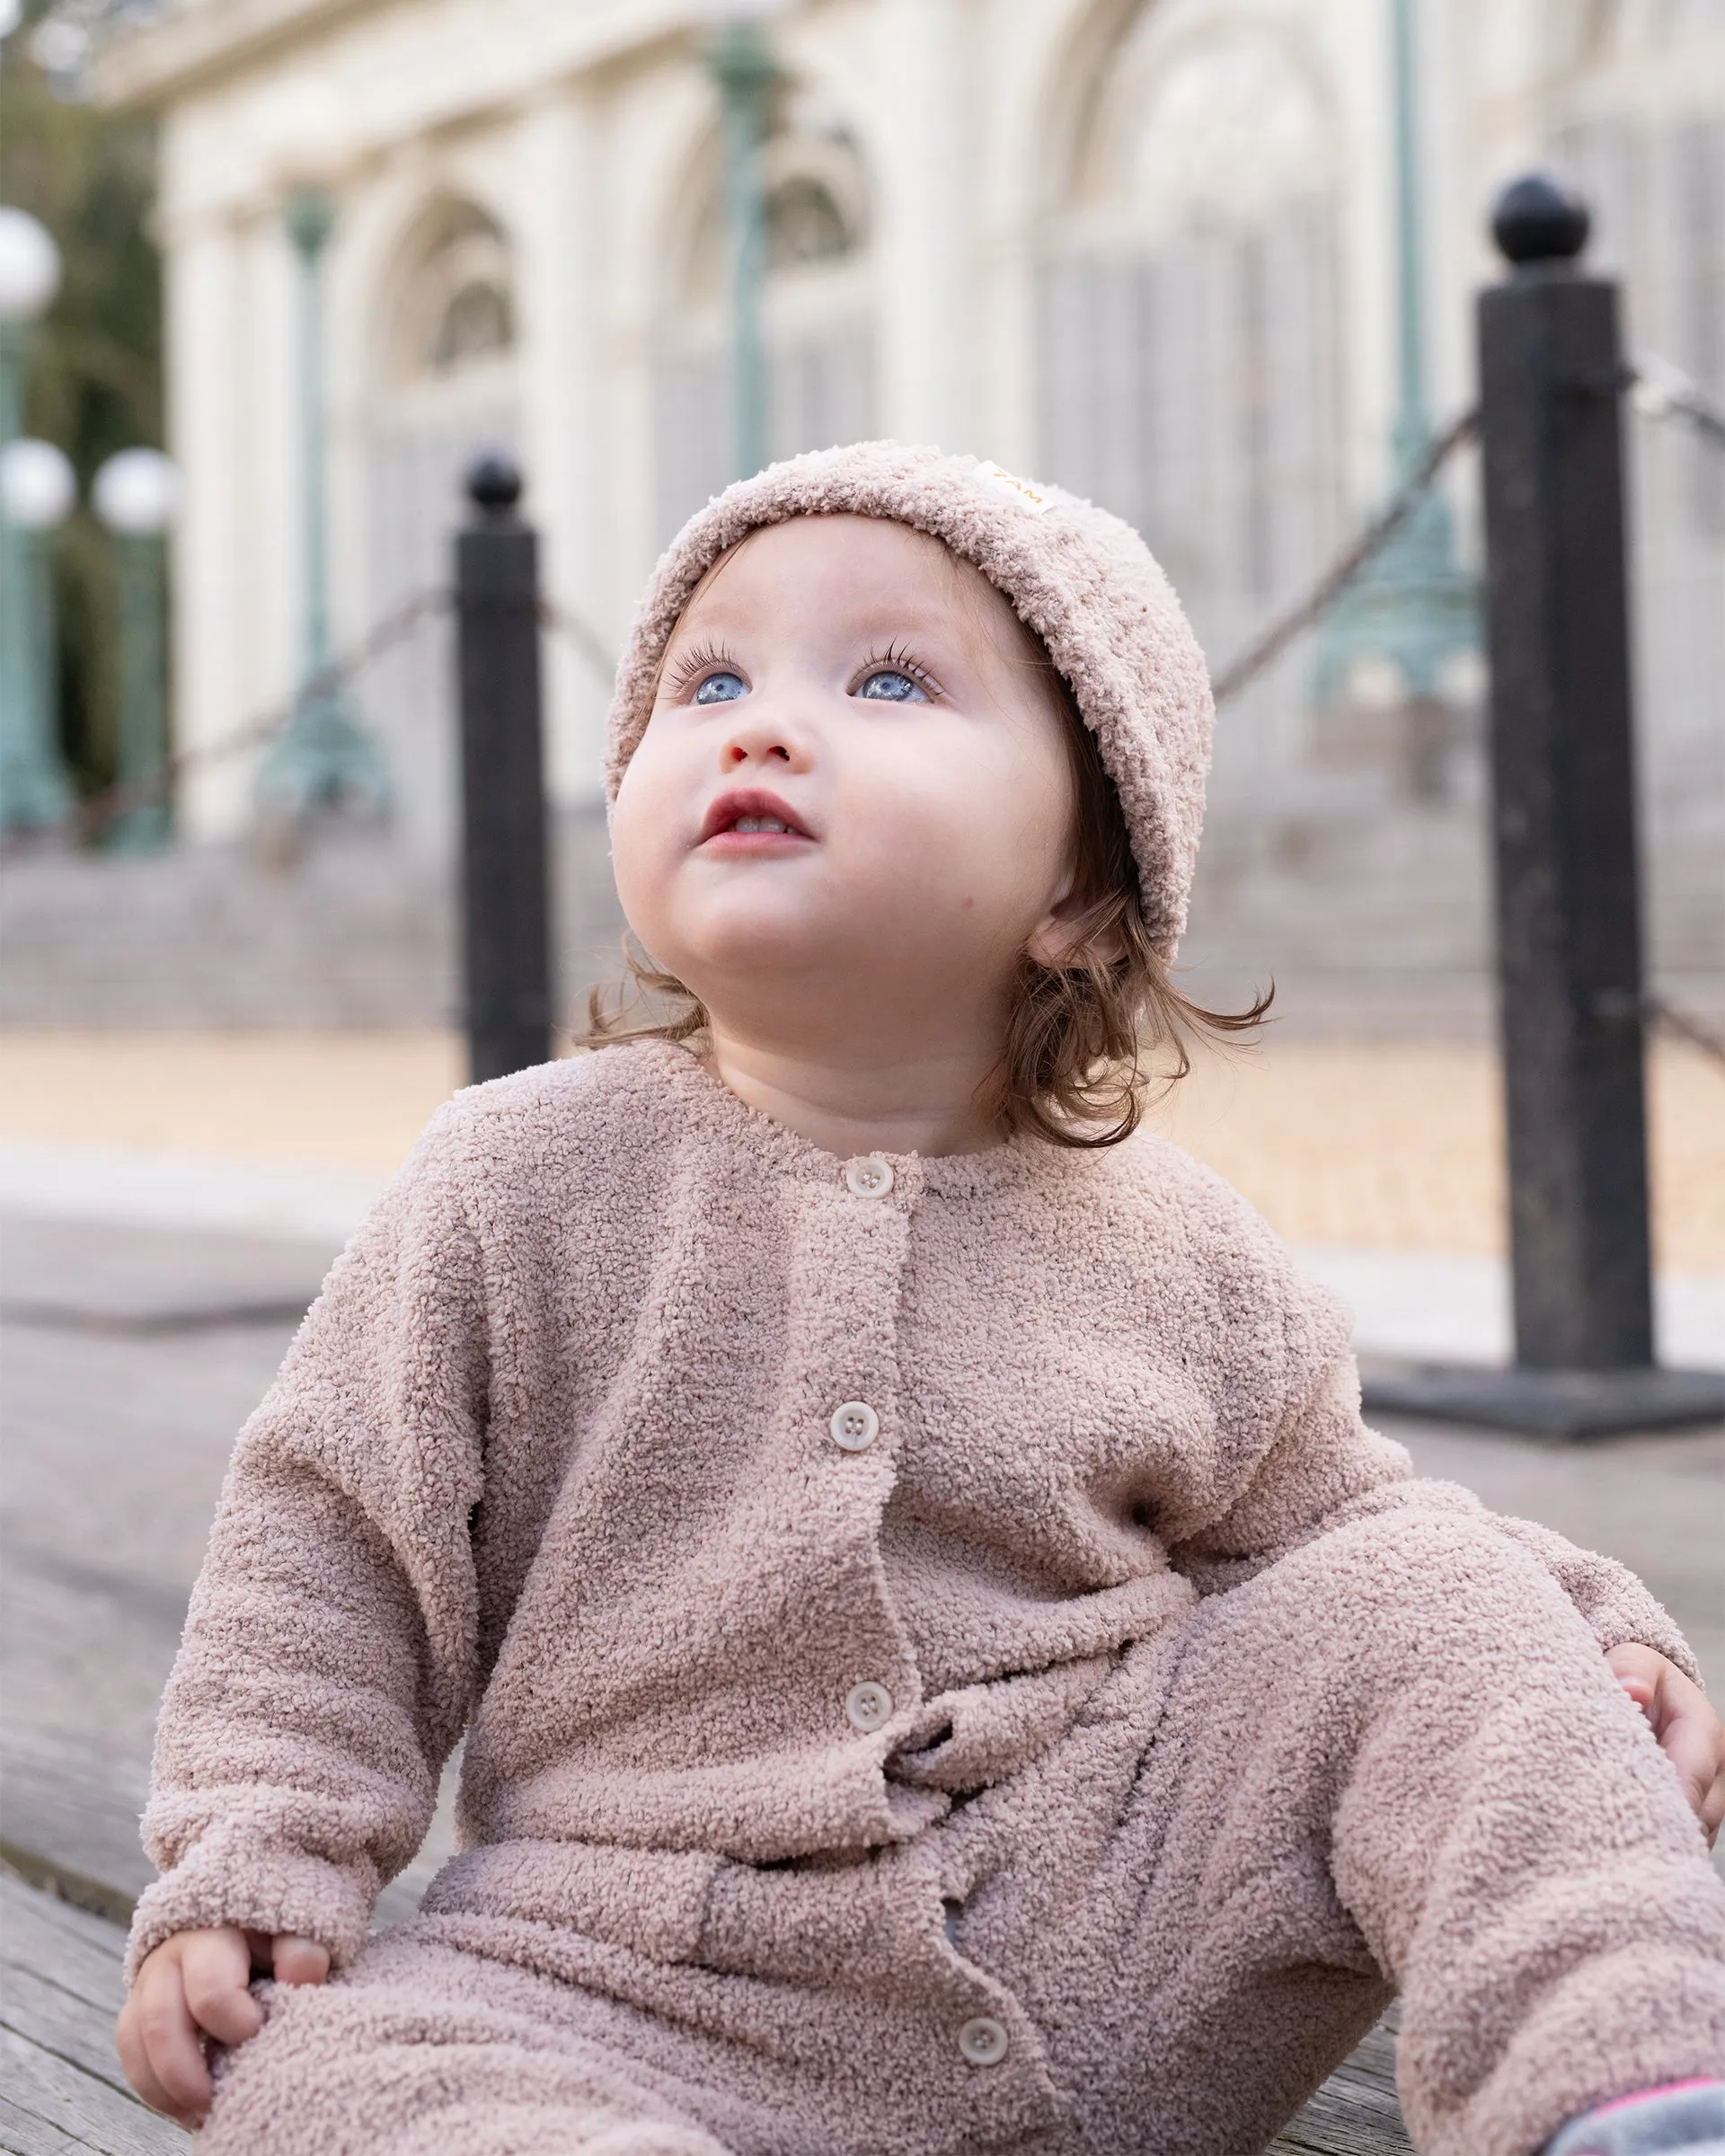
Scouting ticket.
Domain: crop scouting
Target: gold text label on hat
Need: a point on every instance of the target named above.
(1022, 493)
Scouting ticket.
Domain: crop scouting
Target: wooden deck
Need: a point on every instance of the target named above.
(62, 2092)
(61, 2088)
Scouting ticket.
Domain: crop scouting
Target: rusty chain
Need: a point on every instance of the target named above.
(1270, 644)
(1659, 391)
(95, 815)
(1683, 1025)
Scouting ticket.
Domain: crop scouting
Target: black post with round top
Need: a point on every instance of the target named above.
(1569, 933)
(505, 909)
(1567, 897)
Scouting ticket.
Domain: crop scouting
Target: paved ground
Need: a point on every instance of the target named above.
(1376, 1146)
(1379, 1161)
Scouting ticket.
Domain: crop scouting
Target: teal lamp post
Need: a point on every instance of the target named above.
(36, 490)
(1415, 610)
(135, 494)
(37, 487)
(323, 758)
(743, 71)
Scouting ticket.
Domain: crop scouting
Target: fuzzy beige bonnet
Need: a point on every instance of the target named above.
(1080, 578)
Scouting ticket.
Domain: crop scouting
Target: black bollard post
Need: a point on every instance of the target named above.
(1569, 925)
(506, 932)
(1568, 906)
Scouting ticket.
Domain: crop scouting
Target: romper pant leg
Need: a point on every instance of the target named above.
(425, 2051)
(1396, 1757)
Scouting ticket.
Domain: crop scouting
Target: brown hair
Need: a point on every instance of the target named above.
(1075, 1069)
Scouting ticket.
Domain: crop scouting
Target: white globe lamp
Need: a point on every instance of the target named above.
(38, 485)
(137, 493)
(29, 266)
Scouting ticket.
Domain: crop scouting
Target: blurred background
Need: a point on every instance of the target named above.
(284, 267)
(1156, 252)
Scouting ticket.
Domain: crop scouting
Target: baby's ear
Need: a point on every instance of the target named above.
(1075, 931)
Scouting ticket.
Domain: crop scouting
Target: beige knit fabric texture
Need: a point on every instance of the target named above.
(1083, 580)
(1121, 1697)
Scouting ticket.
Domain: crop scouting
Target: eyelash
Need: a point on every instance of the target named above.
(896, 659)
(705, 659)
(714, 659)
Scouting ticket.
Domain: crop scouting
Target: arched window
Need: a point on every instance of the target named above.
(815, 319)
(452, 305)
(1190, 354)
(476, 321)
(805, 224)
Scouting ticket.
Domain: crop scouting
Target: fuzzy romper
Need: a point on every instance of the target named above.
(942, 1665)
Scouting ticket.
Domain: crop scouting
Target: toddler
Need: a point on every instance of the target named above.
(942, 1665)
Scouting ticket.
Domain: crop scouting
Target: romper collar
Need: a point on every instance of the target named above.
(1021, 1161)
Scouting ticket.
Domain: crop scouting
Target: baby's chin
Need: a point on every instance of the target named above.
(752, 943)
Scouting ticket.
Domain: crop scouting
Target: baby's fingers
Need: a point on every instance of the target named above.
(159, 2047)
(1689, 1732)
(1694, 1749)
(1690, 1751)
(140, 2073)
(297, 1960)
(218, 1967)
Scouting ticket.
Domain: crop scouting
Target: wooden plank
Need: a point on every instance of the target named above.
(1356, 2112)
(23, 2134)
(41, 2012)
(79, 1953)
(88, 2112)
(60, 1987)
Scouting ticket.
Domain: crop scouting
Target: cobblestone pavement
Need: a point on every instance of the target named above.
(1377, 1146)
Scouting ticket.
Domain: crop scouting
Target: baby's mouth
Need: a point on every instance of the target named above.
(751, 814)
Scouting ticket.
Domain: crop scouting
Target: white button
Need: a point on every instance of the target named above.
(855, 1426)
(869, 1176)
(869, 1705)
(984, 2041)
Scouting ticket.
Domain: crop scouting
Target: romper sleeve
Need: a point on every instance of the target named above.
(327, 1666)
(1306, 1462)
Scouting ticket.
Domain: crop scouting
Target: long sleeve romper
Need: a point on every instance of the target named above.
(942, 1663)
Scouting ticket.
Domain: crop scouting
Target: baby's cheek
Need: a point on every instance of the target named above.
(642, 855)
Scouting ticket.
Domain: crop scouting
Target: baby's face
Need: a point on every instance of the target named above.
(853, 795)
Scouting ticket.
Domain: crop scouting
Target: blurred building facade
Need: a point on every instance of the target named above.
(1142, 247)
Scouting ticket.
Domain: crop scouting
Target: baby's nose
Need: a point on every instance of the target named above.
(759, 737)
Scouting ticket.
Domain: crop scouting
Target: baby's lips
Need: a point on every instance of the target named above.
(736, 803)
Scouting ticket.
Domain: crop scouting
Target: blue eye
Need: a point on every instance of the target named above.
(722, 688)
(889, 685)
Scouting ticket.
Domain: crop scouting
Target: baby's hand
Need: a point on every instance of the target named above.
(1691, 1735)
(192, 1987)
